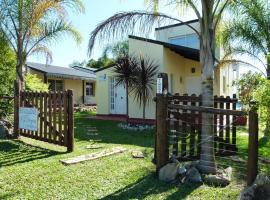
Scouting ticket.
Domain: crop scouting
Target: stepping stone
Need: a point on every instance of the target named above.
(137, 154)
(93, 146)
(93, 156)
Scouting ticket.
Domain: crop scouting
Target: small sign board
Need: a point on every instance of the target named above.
(159, 86)
(28, 118)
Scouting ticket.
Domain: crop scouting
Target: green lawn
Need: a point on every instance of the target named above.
(31, 172)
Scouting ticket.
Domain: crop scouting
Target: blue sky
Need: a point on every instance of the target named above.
(66, 50)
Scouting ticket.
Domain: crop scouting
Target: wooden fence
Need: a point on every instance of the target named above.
(179, 122)
(55, 117)
(185, 120)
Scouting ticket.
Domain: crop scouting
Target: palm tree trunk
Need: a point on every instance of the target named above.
(267, 127)
(144, 105)
(207, 54)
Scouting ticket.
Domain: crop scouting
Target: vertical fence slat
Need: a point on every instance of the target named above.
(50, 116)
(221, 127)
(184, 133)
(215, 125)
(60, 117)
(162, 145)
(65, 117)
(228, 125)
(234, 148)
(70, 136)
(200, 126)
(176, 128)
(192, 130)
(41, 117)
(45, 116)
(252, 165)
(54, 117)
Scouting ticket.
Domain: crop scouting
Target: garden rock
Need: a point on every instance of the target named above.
(182, 171)
(137, 154)
(259, 190)
(237, 159)
(168, 173)
(193, 175)
(223, 178)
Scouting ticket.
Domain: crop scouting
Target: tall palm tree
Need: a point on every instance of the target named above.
(125, 74)
(248, 33)
(30, 26)
(209, 14)
(143, 87)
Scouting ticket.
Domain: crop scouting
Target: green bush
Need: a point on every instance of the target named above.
(8, 75)
(33, 83)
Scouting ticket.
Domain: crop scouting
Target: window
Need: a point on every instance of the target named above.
(89, 89)
(191, 41)
(56, 85)
(193, 70)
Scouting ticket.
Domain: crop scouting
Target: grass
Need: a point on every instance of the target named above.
(31, 170)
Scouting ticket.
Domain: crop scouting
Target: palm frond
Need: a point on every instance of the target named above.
(123, 24)
(42, 50)
(51, 31)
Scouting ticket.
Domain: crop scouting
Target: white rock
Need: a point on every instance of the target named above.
(168, 172)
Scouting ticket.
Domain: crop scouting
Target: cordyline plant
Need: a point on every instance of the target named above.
(143, 87)
(125, 74)
(209, 14)
(30, 26)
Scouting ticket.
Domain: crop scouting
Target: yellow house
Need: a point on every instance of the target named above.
(79, 79)
(176, 50)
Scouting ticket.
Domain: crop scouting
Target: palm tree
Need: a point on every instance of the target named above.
(125, 71)
(145, 80)
(247, 33)
(30, 26)
(209, 14)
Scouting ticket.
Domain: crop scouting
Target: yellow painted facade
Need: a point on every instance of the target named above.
(184, 77)
(70, 84)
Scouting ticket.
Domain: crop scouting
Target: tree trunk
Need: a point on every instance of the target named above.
(267, 127)
(207, 57)
(144, 105)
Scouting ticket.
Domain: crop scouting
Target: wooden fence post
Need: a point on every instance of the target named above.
(70, 134)
(162, 144)
(252, 165)
(16, 129)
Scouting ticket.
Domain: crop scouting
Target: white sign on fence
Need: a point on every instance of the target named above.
(28, 118)
(159, 86)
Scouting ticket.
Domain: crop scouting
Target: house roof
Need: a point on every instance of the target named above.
(103, 68)
(62, 72)
(178, 24)
(190, 53)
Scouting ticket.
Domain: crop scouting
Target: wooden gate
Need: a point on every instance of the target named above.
(55, 117)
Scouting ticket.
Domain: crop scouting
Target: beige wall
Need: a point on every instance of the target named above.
(102, 91)
(165, 34)
(70, 84)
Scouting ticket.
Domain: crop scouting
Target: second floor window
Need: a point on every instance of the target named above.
(191, 41)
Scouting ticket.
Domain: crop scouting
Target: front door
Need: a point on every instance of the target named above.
(117, 98)
(193, 85)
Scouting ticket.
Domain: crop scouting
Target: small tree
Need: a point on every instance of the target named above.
(33, 83)
(125, 70)
(31, 25)
(143, 87)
